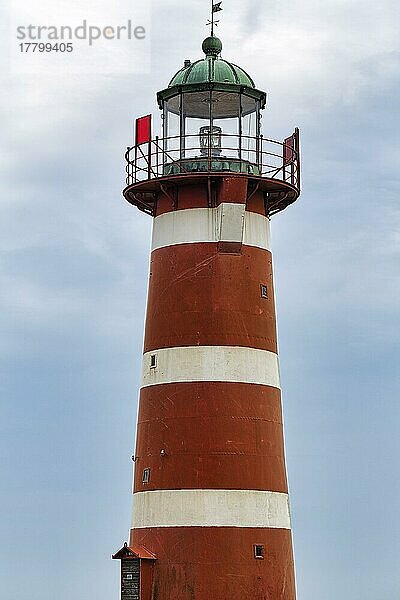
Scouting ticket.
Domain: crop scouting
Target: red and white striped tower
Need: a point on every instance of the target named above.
(211, 514)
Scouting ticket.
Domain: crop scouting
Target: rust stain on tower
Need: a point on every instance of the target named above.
(211, 517)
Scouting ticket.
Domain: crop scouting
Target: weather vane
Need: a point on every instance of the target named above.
(215, 7)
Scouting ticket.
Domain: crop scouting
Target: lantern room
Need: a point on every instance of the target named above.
(211, 116)
(211, 128)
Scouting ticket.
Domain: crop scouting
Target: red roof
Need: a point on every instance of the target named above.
(134, 552)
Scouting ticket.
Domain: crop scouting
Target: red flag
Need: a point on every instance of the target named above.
(288, 150)
(143, 130)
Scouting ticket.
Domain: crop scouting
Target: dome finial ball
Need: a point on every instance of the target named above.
(212, 46)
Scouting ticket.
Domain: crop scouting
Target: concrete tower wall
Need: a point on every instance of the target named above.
(210, 477)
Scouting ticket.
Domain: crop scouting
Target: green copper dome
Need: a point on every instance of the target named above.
(211, 73)
(211, 69)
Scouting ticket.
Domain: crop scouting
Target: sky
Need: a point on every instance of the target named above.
(73, 283)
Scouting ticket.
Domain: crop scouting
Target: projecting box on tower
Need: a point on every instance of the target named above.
(137, 565)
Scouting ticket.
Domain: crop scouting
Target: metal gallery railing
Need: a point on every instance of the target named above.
(180, 155)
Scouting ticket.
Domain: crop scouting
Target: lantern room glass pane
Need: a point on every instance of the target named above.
(224, 105)
(174, 134)
(249, 105)
(213, 124)
(249, 133)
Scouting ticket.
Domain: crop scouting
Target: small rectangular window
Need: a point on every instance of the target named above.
(146, 475)
(153, 361)
(264, 291)
(258, 551)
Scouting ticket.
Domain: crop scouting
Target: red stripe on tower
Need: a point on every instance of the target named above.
(211, 516)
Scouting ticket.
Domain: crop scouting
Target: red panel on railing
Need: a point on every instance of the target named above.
(143, 130)
(288, 150)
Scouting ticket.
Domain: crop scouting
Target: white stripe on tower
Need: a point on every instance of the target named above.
(210, 363)
(210, 508)
(199, 225)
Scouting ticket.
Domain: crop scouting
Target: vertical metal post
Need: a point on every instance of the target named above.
(258, 134)
(294, 159)
(149, 161)
(128, 167)
(165, 132)
(136, 154)
(284, 161)
(210, 132)
(157, 157)
(297, 141)
(240, 128)
(182, 127)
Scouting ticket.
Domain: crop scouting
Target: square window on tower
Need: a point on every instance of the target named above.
(258, 551)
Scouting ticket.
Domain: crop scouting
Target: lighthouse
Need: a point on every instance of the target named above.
(211, 517)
